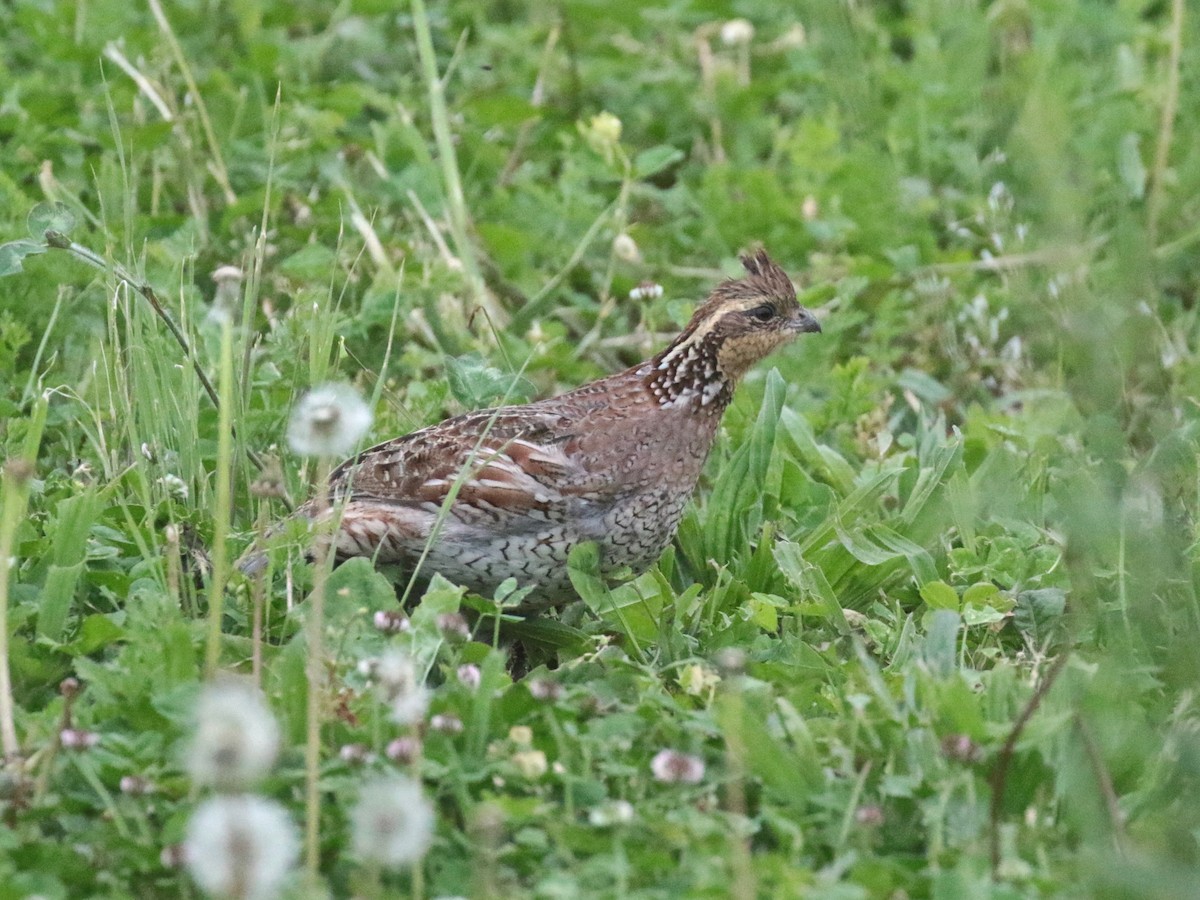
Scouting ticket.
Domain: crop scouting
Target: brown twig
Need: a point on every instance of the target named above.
(999, 777)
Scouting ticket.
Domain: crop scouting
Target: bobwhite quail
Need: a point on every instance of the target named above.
(614, 461)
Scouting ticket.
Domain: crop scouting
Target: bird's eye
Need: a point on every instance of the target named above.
(763, 313)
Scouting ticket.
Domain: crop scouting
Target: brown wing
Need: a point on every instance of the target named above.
(514, 458)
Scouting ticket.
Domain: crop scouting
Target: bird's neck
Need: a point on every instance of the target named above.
(688, 374)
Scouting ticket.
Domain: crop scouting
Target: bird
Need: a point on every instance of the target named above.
(509, 492)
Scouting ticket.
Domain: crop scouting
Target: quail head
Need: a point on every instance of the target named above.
(508, 492)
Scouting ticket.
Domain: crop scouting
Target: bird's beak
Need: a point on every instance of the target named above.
(805, 322)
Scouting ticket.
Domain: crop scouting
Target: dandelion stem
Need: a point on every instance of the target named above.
(314, 672)
(224, 505)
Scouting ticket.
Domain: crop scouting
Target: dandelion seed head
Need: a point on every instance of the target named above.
(392, 823)
(240, 846)
(236, 738)
(329, 420)
(737, 33)
(396, 678)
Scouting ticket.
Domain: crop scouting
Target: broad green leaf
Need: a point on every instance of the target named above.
(1039, 612)
(13, 252)
(986, 594)
(940, 647)
(56, 216)
(656, 159)
(763, 611)
(939, 595)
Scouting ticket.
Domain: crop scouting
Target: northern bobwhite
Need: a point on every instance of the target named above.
(614, 461)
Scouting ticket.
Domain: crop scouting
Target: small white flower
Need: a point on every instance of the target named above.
(522, 735)
(469, 675)
(355, 754)
(446, 724)
(615, 812)
(392, 823)
(530, 763)
(391, 621)
(175, 486)
(236, 737)
(646, 290)
(625, 248)
(672, 766)
(794, 37)
(78, 739)
(403, 750)
(396, 677)
(605, 127)
(328, 421)
(544, 689)
(737, 32)
(240, 846)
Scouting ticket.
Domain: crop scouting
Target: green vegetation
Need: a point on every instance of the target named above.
(931, 624)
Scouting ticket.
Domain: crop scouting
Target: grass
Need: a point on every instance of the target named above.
(930, 623)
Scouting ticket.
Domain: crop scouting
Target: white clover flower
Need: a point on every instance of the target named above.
(329, 420)
(737, 33)
(240, 846)
(530, 763)
(175, 486)
(236, 736)
(396, 677)
(521, 735)
(606, 127)
(392, 823)
(672, 766)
